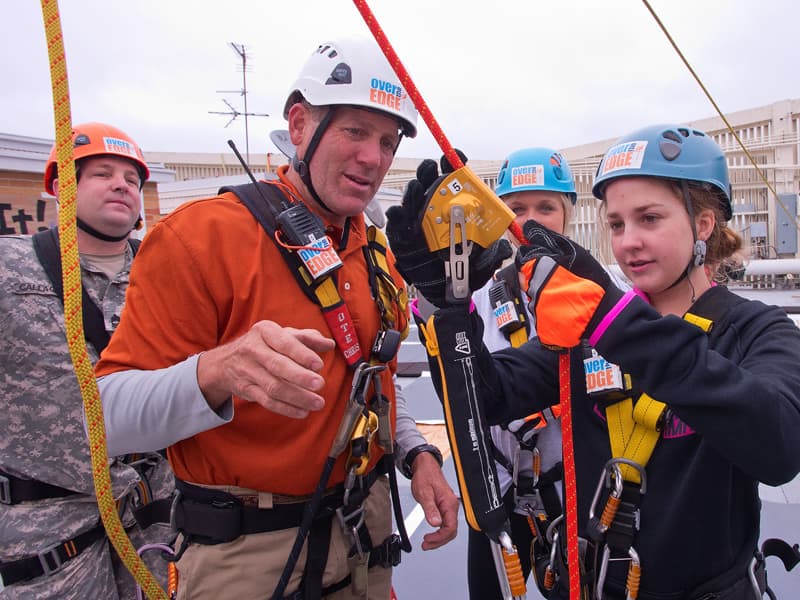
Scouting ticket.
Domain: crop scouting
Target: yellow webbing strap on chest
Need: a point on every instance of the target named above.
(518, 337)
(634, 429)
(327, 294)
(393, 299)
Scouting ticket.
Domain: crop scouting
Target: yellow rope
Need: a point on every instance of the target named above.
(722, 116)
(73, 315)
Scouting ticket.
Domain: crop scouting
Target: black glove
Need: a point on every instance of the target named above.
(570, 292)
(416, 263)
(574, 257)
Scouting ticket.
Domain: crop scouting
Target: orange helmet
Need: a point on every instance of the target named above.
(96, 139)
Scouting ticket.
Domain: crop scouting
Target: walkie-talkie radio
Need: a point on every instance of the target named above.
(305, 232)
(300, 230)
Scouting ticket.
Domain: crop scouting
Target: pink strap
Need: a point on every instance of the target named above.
(610, 316)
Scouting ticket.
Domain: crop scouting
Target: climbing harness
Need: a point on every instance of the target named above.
(300, 237)
(634, 429)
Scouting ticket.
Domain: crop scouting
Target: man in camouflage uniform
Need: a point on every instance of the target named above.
(46, 490)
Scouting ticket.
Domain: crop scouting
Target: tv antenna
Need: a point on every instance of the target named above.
(241, 52)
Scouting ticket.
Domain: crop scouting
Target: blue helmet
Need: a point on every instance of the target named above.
(671, 152)
(535, 169)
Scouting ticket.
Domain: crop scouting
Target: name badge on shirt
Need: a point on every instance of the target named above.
(601, 376)
(319, 257)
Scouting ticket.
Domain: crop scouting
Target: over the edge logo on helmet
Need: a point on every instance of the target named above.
(527, 175)
(628, 155)
(386, 93)
(118, 146)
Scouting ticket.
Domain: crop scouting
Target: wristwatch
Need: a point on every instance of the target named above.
(414, 452)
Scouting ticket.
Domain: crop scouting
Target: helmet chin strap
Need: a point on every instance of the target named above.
(84, 226)
(699, 249)
(303, 166)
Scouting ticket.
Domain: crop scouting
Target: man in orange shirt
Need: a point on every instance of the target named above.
(245, 371)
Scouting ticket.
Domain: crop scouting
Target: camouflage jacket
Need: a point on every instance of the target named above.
(43, 434)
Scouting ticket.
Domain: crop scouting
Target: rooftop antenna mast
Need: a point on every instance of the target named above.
(241, 52)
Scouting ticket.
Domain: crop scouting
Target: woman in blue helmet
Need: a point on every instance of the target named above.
(684, 396)
(535, 183)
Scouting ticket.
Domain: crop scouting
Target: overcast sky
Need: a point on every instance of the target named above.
(498, 75)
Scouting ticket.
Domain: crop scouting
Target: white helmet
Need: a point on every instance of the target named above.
(353, 71)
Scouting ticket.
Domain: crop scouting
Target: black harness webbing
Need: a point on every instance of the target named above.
(250, 196)
(264, 200)
(209, 517)
(14, 490)
(47, 247)
(51, 560)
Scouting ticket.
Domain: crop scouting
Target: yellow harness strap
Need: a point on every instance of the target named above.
(518, 337)
(393, 298)
(327, 294)
(634, 430)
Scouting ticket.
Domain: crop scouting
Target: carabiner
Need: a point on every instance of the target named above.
(360, 440)
(612, 473)
(612, 503)
(355, 406)
(634, 573)
(549, 570)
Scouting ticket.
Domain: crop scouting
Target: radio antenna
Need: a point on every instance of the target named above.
(241, 52)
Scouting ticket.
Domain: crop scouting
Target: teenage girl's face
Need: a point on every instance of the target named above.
(544, 207)
(651, 236)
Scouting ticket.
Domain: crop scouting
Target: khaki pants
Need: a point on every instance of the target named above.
(248, 568)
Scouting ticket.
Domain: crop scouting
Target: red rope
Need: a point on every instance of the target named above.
(570, 483)
(408, 84)
(416, 97)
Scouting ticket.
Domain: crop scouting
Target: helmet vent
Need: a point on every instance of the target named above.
(670, 146)
(683, 132)
(671, 135)
(669, 150)
(82, 140)
(341, 74)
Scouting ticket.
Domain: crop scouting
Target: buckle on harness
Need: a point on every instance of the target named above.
(5, 490)
(48, 556)
(612, 474)
(388, 554)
